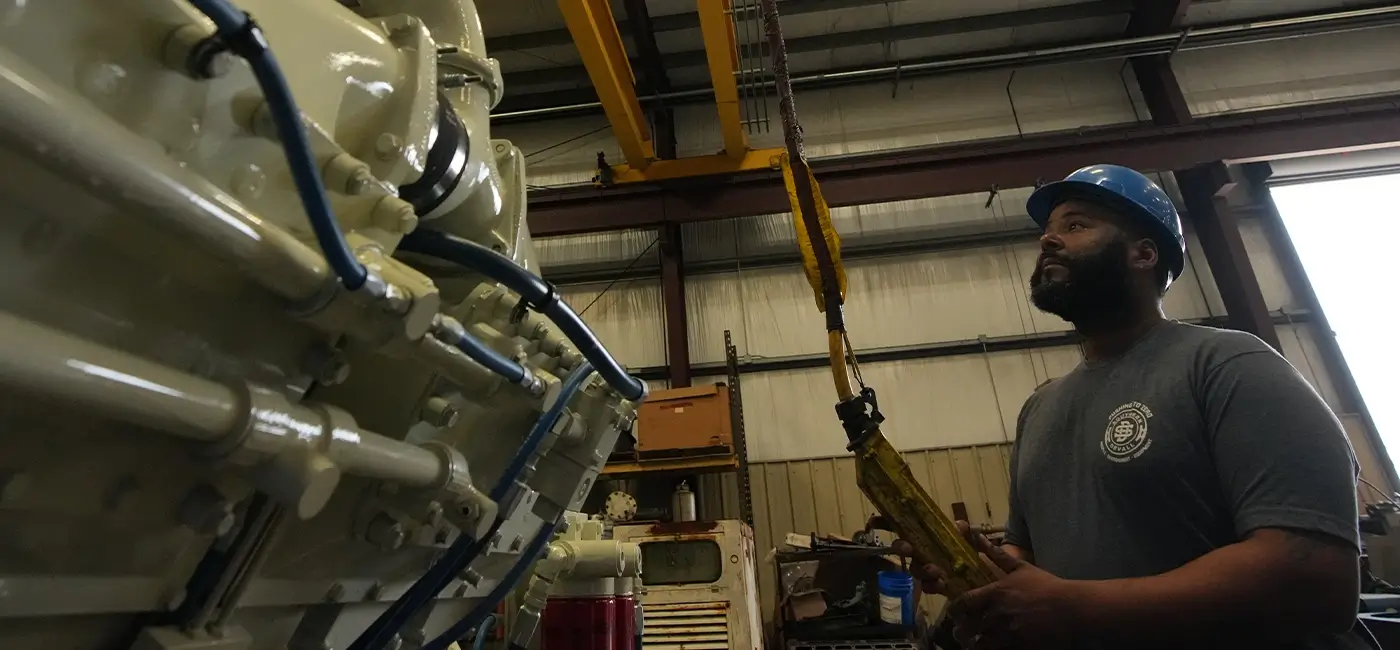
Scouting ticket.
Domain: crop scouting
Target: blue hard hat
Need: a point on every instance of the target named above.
(1127, 191)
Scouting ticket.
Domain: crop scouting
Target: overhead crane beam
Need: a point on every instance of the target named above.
(722, 56)
(600, 46)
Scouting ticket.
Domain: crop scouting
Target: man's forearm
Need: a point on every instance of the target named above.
(1285, 587)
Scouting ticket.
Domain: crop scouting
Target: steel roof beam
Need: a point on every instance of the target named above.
(823, 42)
(974, 167)
(543, 106)
(667, 23)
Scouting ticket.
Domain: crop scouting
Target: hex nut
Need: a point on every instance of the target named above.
(394, 215)
(439, 412)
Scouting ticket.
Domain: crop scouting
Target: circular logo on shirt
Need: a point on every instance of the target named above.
(1126, 435)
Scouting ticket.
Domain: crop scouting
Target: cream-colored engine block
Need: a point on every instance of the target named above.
(207, 442)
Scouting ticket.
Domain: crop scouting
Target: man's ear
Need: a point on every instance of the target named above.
(1144, 254)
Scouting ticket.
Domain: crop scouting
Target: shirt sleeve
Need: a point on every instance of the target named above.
(1283, 459)
(1017, 533)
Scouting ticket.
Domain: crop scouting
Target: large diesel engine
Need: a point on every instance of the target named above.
(278, 371)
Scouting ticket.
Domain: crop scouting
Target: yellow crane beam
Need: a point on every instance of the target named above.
(717, 28)
(600, 46)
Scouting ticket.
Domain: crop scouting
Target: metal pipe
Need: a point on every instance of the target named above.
(1191, 38)
(296, 451)
(68, 136)
(83, 374)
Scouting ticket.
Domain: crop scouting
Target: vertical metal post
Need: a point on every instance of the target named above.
(1202, 186)
(736, 421)
(1218, 229)
(673, 301)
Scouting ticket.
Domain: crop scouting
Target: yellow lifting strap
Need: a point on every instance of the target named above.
(804, 240)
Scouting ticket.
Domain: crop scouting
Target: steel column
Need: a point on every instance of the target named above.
(1202, 186)
(1218, 229)
(1154, 74)
(673, 299)
(600, 46)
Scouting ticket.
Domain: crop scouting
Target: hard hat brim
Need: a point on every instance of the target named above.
(1047, 197)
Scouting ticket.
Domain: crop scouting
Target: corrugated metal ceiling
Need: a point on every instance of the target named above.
(539, 17)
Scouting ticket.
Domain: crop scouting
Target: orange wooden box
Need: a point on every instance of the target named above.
(685, 422)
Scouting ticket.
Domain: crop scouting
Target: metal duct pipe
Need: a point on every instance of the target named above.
(1190, 38)
(295, 452)
(65, 134)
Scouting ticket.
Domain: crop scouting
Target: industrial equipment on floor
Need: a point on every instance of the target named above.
(699, 586)
(278, 371)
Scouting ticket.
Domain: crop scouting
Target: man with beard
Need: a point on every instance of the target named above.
(1184, 487)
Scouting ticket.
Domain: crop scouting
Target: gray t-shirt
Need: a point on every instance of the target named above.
(1192, 439)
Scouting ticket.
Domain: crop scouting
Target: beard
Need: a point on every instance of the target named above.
(1097, 284)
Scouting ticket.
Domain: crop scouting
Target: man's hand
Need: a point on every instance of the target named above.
(1026, 607)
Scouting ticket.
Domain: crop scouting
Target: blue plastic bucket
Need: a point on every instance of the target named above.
(896, 597)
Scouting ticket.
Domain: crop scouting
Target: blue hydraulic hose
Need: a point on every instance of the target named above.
(244, 38)
(498, 593)
(392, 619)
(571, 387)
(479, 643)
(535, 291)
(491, 359)
(465, 550)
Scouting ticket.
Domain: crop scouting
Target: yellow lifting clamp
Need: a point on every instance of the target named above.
(881, 472)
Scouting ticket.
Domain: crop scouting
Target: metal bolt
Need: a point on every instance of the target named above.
(385, 533)
(374, 592)
(439, 412)
(359, 181)
(395, 643)
(470, 576)
(460, 591)
(458, 80)
(388, 146)
(441, 536)
(394, 215)
(516, 543)
(346, 174)
(175, 600)
(335, 593)
(434, 515)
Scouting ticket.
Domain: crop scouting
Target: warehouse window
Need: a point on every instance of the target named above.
(1345, 233)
